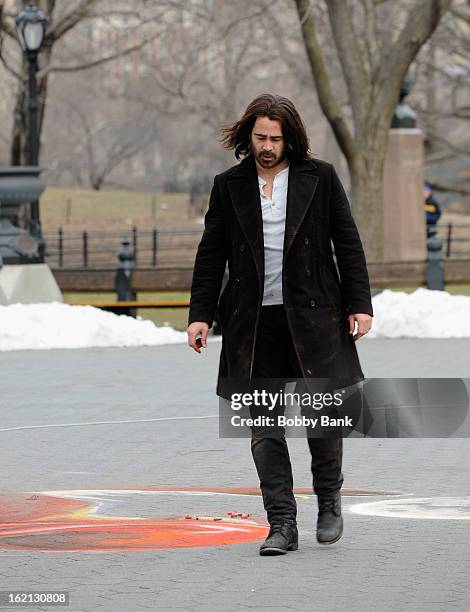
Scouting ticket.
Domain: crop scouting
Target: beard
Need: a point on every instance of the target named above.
(270, 161)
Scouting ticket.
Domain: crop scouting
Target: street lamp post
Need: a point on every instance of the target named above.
(31, 26)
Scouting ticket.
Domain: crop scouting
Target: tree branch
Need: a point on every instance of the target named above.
(446, 188)
(460, 14)
(326, 97)
(290, 58)
(456, 148)
(421, 22)
(350, 57)
(98, 61)
(6, 26)
(70, 20)
(9, 68)
(441, 156)
(371, 38)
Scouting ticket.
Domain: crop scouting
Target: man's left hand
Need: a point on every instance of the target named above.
(364, 323)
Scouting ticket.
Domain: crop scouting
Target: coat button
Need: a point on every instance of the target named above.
(312, 303)
(307, 241)
(242, 247)
(308, 272)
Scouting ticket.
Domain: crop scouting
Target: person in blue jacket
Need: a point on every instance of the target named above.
(431, 206)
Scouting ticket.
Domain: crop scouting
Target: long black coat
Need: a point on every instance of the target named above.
(316, 300)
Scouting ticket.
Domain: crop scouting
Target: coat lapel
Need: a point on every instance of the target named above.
(300, 191)
(244, 192)
(243, 187)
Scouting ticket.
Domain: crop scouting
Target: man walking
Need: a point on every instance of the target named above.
(285, 312)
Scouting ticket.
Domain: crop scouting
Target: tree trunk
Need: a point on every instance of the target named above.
(372, 97)
(97, 184)
(432, 146)
(366, 171)
(367, 202)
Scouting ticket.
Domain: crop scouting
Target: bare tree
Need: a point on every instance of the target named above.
(64, 17)
(373, 68)
(211, 50)
(443, 66)
(107, 145)
(188, 66)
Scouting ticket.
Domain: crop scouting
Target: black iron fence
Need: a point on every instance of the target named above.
(170, 246)
(456, 239)
(98, 249)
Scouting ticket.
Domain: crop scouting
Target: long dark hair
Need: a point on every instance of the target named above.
(237, 135)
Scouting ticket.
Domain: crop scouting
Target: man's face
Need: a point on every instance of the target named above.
(267, 142)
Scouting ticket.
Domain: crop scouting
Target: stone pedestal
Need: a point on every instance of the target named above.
(28, 284)
(404, 219)
(19, 185)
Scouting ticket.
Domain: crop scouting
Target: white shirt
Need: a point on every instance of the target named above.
(274, 222)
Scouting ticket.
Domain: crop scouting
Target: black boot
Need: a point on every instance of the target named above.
(330, 521)
(281, 538)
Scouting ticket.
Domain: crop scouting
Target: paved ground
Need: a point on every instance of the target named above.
(387, 560)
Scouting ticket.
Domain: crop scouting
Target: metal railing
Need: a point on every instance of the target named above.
(177, 246)
(456, 238)
(98, 249)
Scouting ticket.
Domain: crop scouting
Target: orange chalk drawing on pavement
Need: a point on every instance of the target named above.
(76, 519)
(46, 522)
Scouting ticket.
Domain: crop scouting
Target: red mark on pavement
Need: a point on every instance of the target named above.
(44, 522)
(72, 520)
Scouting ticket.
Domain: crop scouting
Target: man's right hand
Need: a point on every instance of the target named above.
(197, 328)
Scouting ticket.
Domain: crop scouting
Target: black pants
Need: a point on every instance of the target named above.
(275, 357)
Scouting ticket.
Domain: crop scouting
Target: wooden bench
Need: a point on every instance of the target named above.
(113, 306)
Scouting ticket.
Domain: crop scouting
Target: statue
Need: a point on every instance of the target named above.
(404, 116)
